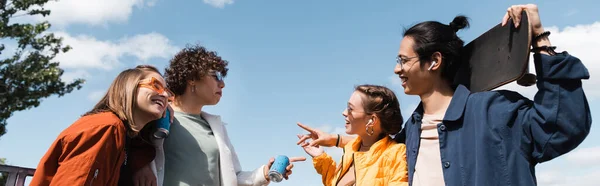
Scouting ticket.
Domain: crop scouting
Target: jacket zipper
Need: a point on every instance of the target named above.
(95, 176)
(354, 162)
(339, 173)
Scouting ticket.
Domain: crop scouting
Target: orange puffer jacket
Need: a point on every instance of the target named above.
(383, 165)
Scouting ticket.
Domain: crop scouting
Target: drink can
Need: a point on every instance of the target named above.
(278, 168)
(163, 125)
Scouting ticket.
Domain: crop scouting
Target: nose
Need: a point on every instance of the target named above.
(221, 84)
(345, 113)
(397, 69)
(165, 94)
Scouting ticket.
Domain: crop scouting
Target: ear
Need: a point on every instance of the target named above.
(191, 83)
(437, 57)
(373, 119)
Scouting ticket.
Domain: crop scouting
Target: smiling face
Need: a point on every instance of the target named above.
(416, 78)
(355, 116)
(152, 97)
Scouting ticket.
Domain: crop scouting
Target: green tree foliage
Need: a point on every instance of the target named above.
(30, 74)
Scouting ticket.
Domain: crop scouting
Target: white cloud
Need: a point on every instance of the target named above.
(581, 41)
(569, 176)
(218, 3)
(90, 53)
(96, 95)
(571, 12)
(589, 157)
(92, 12)
(69, 76)
(395, 81)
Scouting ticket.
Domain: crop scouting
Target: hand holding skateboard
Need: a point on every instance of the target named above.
(501, 55)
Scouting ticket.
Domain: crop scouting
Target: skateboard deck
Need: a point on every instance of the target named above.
(497, 57)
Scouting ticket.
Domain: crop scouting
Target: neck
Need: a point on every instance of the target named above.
(141, 120)
(368, 141)
(438, 100)
(186, 103)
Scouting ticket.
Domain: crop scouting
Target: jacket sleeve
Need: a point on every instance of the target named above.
(398, 168)
(82, 158)
(558, 119)
(325, 166)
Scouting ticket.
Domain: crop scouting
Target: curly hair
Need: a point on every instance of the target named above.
(190, 64)
(383, 102)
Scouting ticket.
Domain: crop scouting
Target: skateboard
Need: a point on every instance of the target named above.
(497, 57)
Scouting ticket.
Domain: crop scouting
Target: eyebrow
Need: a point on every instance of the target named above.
(402, 56)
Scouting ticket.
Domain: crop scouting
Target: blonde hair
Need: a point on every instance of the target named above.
(121, 96)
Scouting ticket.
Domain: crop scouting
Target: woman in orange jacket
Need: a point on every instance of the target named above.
(372, 158)
(93, 150)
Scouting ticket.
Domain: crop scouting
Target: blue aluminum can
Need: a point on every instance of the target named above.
(163, 125)
(278, 168)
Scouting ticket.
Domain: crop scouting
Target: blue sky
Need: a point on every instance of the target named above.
(290, 61)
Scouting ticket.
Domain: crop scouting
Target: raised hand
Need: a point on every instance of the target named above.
(514, 12)
(288, 169)
(319, 138)
(311, 150)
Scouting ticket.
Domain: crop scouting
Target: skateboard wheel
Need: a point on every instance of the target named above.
(527, 80)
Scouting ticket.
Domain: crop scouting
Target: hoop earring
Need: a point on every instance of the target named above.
(372, 131)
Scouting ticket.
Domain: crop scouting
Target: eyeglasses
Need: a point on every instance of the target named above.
(157, 86)
(217, 75)
(350, 110)
(403, 61)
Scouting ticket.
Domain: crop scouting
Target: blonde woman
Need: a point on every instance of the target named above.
(92, 150)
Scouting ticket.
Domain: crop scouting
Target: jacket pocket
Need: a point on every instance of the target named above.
(95, 175)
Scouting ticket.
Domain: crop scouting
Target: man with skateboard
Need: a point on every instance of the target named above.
(459, 137)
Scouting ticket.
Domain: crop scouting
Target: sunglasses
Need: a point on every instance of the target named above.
(157, 86)
(217, 75)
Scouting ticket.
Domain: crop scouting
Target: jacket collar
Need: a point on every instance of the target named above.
(374, 152)
(455, 110)
(211, 118)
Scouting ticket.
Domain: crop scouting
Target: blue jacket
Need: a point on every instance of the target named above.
(497, 137)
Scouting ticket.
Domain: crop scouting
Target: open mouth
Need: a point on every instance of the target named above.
(403, 79)
(159, 101)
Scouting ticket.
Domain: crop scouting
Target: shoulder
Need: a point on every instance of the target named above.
(105, 123)
(394, 154)
(395, 148)
(497, 96)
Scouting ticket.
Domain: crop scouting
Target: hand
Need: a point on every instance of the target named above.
(144, 177)
(514, 12)
(288, 169)
(313, 151)
(319, 138)
(172, 115)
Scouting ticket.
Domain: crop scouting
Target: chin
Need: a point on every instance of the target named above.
(157, 114)
(408, 91)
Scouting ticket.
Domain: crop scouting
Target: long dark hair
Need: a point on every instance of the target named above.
(432, 36)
